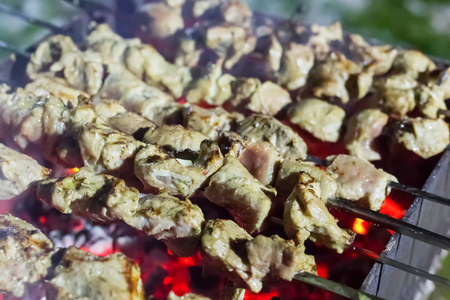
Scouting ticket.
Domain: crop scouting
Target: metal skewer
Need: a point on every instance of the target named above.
(32, 20)
(390, 262)
(395, 185)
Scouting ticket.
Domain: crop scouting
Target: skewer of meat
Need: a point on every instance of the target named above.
(28, 256)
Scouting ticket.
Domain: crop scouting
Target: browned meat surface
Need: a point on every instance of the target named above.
(321, 119)
(104, 198)
(296, 63)
(162, 171)
(358, 180)
(306, 216)
(56, 87)
(175, 137)
(25, 254)
(17, 171)
(229, 250)
(235, 189)
(82, 275)
(362, 129)
(425, 137)
(267, 129)
(290, 172)
(262, 160)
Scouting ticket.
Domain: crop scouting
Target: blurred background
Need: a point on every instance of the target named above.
(419, 24)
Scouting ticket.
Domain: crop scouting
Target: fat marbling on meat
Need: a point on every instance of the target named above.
(358, 180)
(268, 129)
(306, 217)
(235, 189)
(25, 254)
(18, 171)
(318, 117)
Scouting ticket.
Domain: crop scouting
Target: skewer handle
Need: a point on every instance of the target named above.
(391, 223)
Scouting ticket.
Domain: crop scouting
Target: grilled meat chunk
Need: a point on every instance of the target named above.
(82, 275)
(358, 180)
(322, 36)
(362, 129)
(236, 12)
(17, 171)
(267, 129)
(106, 149)
(395, 95)
(296, 63)
(159, 170)
(229, 249)
(290, 172)
(163, 20)
(413, 63)
(262, 160)
(321, 119)
(247, 200)
(274, 257)
(425, 137)
(230, 42)
(306, 216)
(98, 197)
(130, 122)
(208, 121)
(25, 254)
(140, 59)
(265, 98)
(430, 99)
(231, 143)
(329, 76)
(56, 87)
(59, 54)
(175, 137)
(106, 108)
(213, 88)
(104, 198)
(138, 97)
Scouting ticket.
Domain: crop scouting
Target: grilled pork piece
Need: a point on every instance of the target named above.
(175, 137)
(130, 122)
(375, 59)
(430, 99)
(268, 129)
(140, 59)
(265, 98)
(231, 143)
(138, 97)
(59, 54)
(105, 148)
(159, 170)
(208, 121)
(188, 296)
(358, 180)
(413, 63)
(321, 37)
(306, 216)
(229, 249)
(25, 256)
(82, 275)
(247, 200)
(425, 137)
(296, 63)
(262, 160)
(395, 94)
(230, 42)
(162, 19)
(18, 171)
(213, 87)
(362, 129)
(104, 198)
(290, 172)
(329, 76)
(321, 119)
(56, 87)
